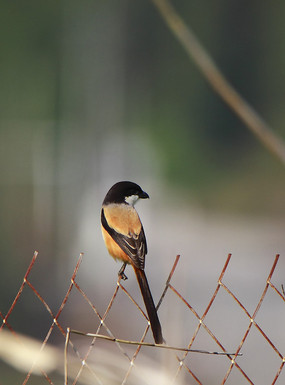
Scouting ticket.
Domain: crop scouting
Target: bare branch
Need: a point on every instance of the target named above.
(218, 82)
(152, 345)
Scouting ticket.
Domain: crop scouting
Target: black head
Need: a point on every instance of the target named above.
(125, 192)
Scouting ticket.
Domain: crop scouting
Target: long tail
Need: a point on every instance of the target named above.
(150, 307)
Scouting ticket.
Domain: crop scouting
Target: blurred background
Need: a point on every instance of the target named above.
(95, 92)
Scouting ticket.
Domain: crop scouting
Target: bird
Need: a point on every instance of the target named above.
(125, 240)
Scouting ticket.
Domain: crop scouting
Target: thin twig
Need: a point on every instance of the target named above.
(216, 79)
(67, 337)
(149, 344)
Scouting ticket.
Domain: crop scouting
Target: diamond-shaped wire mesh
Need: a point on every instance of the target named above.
(91, 359)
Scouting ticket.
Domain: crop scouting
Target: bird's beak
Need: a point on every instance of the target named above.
(143, 195)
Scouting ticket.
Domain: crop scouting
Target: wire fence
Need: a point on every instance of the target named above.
(103, 358)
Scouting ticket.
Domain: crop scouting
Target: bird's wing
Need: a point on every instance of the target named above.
(124, 226)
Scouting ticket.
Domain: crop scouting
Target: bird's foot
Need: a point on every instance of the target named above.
(121, 272)
(123, 276)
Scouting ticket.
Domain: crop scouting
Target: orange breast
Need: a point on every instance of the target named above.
(124, 220)
(113, 248)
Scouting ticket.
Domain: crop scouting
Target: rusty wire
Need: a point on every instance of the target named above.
(182, 364)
